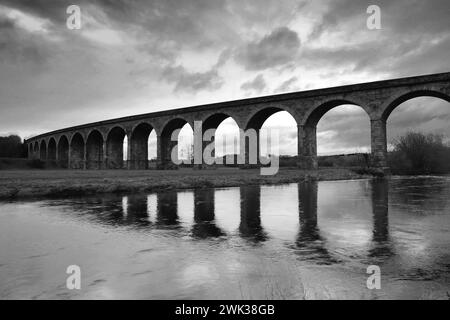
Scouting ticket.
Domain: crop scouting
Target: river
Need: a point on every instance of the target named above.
(312, 240)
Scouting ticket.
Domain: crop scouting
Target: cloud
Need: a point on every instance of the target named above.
(257, 85)
(137, 53)
(275, 49)
(192, 82)
(288, 86)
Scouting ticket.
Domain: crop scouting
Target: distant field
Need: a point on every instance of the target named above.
(60, 183)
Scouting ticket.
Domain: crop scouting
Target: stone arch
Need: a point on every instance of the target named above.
(114, 147)
(94, 150)
(378, 124)
(257, 118)
(307, 144)
(166, 145)
(43, 150)
(313, 117)
(63, 151)
(77, 151)
(213, 121)
(405, 96)
(251, 147)
(138, 157)
(51, 152)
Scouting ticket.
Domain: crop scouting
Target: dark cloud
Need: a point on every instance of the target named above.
(413, 38)
(192, 81)
(19, 46)
(257, 85)
(275, 49)
(53, 10)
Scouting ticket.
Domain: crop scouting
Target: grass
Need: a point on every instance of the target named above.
(15, 184)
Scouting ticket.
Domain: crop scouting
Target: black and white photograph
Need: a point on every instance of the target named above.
(230, 153)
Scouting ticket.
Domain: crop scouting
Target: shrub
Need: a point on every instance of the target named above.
(418, 153)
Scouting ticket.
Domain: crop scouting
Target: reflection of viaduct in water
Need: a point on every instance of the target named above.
(100, 145)
(135, 210)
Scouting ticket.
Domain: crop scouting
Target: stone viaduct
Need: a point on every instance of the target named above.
(100, 145)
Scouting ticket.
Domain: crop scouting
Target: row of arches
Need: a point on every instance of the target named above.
(133, 149)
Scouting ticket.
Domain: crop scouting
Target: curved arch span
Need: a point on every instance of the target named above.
(411, 95)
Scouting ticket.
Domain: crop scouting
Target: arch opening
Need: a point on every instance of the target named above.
(277, 134)
(63, 152)
(412, 95)
(77, 152)
(116, 148)
(179, 149)
(138, 157)
(94, 150)
(344, 137)
(226, 138)
(418, 135)
(43, 151)
(328, 124)
(227, 142)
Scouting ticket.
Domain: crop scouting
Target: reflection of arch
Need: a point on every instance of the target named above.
(167, 209)
(381, 245)
(394, 103)
(308, 143)
(114, 148)
(310, 244)
(380, 191)
(137, 213)
(77, 151)
(204, 226)
(51, 153)
(250, 225)
(63, 152)
(138, 156)
(43, 150)
(166, 144)
(94, 150)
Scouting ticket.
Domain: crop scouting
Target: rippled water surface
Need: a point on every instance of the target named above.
(297, 241)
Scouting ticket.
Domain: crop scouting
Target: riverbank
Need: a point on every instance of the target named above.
(18, 184)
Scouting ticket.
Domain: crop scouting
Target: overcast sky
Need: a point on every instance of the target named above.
(134, 57)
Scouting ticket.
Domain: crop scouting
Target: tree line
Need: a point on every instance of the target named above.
(12, 147)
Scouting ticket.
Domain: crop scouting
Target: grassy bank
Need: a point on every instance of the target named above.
(15, 184)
